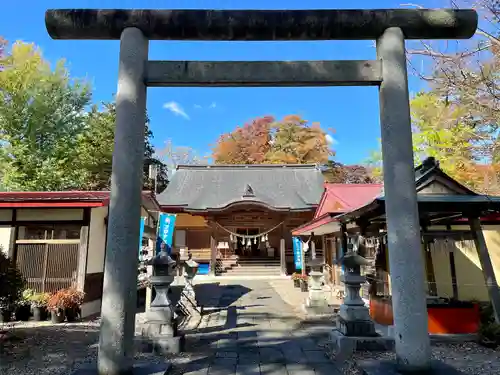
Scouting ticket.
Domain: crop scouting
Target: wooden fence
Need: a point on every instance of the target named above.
(48, 265)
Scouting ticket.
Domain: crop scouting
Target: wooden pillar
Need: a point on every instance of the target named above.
(213, 254)
(486, 265)
(313, 247)
(283, 250)
(343, 239)
(82, 258)
(149, 270)
(324, 246)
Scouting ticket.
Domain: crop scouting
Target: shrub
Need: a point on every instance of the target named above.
(69, 298)
(489, 331)
(11, 282)
(39, 299)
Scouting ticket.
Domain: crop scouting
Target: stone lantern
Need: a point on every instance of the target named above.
(316, 302)
(190, 271)
(354, 317)
(160, 327)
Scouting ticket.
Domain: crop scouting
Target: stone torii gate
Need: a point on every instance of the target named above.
(134, 29)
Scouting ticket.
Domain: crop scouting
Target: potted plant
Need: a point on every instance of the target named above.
(65, 304)
(39, 305)
(55, 305)
(303, 283)
(11, 286)
(5, 310)
(296, 280)
(72, 303)
(23, 306)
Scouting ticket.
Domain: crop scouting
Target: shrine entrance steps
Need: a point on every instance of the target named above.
(253, 266)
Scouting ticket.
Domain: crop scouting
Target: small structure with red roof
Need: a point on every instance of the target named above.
(58, 238)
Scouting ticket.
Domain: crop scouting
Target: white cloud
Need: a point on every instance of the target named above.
(330, 140)
(176, 109)
(211, 106)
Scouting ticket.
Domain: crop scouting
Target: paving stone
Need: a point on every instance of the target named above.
(222, 370)
(271, 355)
(273, 369)
(316, 356)
(295, 357)
(247, 334)
(326, 369)
(299, 369)
(248, 369)
(226, 355)
(225, 361)
(250, 330)
(249, 358)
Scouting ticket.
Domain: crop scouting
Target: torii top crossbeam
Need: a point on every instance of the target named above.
(232, 25)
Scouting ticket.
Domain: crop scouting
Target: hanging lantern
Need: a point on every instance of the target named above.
(267, 238)
(263, 239)
(248, 242)
(255, 241)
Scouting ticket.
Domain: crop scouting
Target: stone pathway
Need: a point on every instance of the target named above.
(248, 329)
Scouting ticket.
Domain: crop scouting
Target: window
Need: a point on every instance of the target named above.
(49, 232)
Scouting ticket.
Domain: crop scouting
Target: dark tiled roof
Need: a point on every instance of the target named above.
(214, 187)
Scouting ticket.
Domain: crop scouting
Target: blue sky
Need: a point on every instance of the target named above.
(208, 112)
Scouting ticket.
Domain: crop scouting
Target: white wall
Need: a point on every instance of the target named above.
(6, 232)
(97, 240)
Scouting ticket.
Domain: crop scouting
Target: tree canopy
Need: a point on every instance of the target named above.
(51, 140)
(291, 140)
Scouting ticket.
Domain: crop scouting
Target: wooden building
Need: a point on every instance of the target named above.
(58, 239)
(460, 232)
(238, 218)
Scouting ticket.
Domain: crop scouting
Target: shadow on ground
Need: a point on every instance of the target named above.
(237, 338)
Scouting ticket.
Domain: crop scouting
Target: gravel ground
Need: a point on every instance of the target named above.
(469, 358)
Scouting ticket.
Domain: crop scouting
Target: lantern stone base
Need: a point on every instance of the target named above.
(160, 334)
(364, 328)
(344, 346)
(139, 368)
(373, 367)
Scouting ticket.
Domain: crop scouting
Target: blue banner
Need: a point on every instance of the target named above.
(141, 233)
(297, 252)
(166, 225)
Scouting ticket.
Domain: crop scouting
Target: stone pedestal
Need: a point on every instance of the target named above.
(355, 330)
(160, 334)
(354, 317)
(160, 328)
(316, 302)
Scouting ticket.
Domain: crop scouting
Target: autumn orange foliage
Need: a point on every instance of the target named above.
(264, 140)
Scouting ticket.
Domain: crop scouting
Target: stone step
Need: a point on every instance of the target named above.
(253, 271)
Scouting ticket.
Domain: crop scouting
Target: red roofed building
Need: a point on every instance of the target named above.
(337, 199)
(58, 238)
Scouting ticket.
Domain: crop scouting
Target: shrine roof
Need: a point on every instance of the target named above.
(339, 198)
(217, 187)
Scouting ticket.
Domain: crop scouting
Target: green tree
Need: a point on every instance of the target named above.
(95, 151)
(50, 140)
(41, 114)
